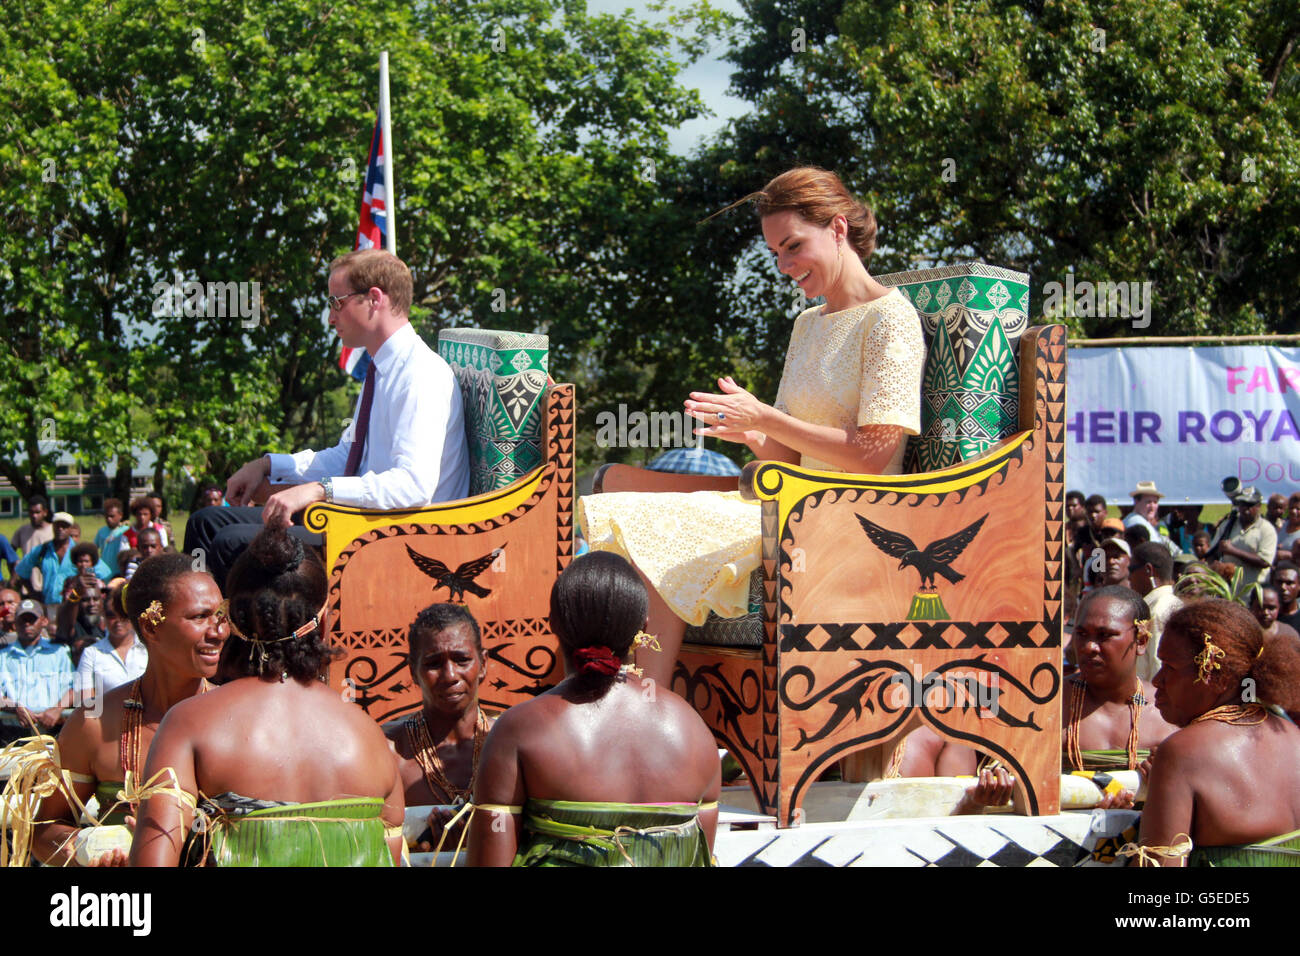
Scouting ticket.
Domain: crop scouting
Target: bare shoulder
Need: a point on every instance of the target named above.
(685, 718)
(1196, 745)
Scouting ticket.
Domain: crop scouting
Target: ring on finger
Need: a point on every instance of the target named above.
(722, 417)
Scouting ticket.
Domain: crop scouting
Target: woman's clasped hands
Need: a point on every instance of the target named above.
(734, 414)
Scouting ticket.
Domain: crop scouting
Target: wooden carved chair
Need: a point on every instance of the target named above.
(499, 550)
(887, 601)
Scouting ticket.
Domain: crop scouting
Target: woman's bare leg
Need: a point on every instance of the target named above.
(669, 629)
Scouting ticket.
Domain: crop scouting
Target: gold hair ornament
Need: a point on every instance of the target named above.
(1142, 628)
(1208, 660)
(643, 639)
(153, 613)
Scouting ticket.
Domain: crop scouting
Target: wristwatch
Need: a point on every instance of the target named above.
(328, 485)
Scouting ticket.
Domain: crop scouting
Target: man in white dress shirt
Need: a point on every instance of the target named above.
(405, 449)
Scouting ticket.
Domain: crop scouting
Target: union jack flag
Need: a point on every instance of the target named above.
(371, 230)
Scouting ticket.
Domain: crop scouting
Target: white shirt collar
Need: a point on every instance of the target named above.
(394, 347)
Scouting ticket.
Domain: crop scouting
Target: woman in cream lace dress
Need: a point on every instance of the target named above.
(849, 395)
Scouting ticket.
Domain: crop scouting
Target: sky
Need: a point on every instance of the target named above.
(711, 76)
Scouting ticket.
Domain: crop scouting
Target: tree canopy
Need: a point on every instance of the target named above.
(153, 142)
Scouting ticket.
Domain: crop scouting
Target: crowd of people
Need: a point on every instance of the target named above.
(205, 725)
(62, 637)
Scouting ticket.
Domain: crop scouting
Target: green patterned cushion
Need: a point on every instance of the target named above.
(973, 316)
(502, 378)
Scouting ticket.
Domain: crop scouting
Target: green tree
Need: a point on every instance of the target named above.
(154, 144)
(1136, 140)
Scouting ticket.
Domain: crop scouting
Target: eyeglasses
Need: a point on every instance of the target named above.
(336, 301)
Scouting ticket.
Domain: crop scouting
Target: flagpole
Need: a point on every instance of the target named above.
(390, 197)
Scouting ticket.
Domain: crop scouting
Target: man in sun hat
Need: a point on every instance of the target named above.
(1146, 506)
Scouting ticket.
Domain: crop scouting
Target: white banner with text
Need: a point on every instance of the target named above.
(1185, 418)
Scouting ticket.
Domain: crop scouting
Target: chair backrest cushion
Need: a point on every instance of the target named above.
(973, 316)
(502, 378)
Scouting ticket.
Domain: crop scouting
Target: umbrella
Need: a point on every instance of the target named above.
(694, 461)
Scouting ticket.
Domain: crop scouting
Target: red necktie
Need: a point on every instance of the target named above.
(363, 423)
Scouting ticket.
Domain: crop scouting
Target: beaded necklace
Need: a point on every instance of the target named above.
(1239, 715)
(1078, 693)
(128, 745)
(426, 755)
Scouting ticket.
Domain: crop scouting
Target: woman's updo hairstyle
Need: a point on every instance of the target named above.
(598, 606)
(819, 196)
(153, 581)
(1272, 663)
(275, 587)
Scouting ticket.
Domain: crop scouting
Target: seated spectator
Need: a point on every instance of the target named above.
(179, 613)
(1152, 576)
(9, 601)
(56, 560)
(1225, 789)
(1289, 532)
(1109, 723)
(1264, 604)
(287, 772)
(35, 675)
(439, 747)
(1286, 578)
(120, 656)
(1252, 545)
(110, 537)
(597, 759)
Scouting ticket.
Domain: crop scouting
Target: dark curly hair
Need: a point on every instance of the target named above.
(153, 581)
(598, 603)
(84, 548)
(435, 619)
(275, 587)
(1274, 665)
